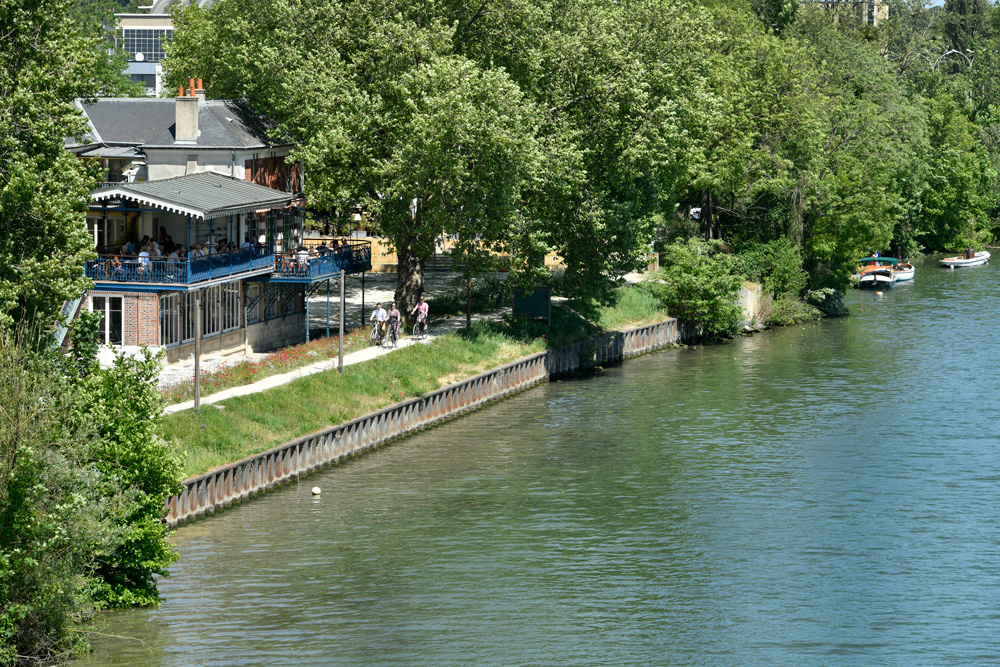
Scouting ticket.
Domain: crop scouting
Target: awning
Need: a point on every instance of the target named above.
(205, 195)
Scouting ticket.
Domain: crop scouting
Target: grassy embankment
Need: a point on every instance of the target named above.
(250, 424)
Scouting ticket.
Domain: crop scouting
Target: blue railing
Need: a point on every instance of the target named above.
(178, 271)
(355, 258)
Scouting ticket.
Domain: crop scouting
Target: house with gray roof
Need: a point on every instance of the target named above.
(198, 228)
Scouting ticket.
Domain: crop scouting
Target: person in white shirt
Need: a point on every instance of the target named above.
(379, 316)
(303, 256)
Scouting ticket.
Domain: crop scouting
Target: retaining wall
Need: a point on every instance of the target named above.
(237, 481)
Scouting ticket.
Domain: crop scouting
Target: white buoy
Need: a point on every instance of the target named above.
(316, 490)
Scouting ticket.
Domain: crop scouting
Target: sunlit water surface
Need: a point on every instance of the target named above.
(820, 495)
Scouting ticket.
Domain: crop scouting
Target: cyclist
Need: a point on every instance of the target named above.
(379, 317)
(393, 317)
(421, 312)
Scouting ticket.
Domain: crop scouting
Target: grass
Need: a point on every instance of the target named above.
(251, 424)
(247, 425)
(249, 371)
(634, 305)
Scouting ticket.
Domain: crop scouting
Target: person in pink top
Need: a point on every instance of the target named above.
(421, 312)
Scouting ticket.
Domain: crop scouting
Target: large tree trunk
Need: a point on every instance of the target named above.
(707, 214)
(409, 279)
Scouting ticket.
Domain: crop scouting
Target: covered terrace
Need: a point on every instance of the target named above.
(207, 228)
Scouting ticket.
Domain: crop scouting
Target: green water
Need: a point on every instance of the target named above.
(819, 495)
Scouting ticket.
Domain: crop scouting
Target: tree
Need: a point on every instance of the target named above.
(699, 283)
(53, 51)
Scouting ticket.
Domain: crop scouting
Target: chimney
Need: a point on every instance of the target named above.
(200, 91)
(186, 115)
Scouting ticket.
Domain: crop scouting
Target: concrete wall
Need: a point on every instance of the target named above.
(279, 332)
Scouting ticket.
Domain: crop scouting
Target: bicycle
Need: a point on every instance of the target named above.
(420, 328)
(390, 335)
(377, 335)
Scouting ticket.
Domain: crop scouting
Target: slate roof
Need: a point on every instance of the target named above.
(148, 122)
(203, 195)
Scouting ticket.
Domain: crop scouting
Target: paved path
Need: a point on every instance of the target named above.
(438, 328)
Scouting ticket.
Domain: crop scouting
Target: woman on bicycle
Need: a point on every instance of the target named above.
(393, 318)
(421, 312)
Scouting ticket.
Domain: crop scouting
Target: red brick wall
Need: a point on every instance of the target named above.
(140, 318)
(148, 308)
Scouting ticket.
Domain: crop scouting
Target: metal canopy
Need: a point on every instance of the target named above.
(205, 195)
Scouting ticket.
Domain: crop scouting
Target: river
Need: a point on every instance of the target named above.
(824, 494)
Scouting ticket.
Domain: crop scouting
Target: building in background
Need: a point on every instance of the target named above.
(205, 182)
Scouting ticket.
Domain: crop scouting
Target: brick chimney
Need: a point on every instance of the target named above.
(186, 114)
(200, 91)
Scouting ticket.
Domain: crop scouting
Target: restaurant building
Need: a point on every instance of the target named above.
(204, 181)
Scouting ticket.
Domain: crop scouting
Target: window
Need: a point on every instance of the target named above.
(148, 42)
(110, 308)
(230, 306)
(170, 319)
(222, 308)
(210, 297)
(148, 80)
(176, 318)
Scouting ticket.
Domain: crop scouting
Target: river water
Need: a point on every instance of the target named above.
(819, 495)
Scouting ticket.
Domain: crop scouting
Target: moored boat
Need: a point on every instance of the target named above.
(904, 271)
(968, 258)
(876, 272)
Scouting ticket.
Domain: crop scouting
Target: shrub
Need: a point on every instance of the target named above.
(777, 265)
(51, 507)
(698, 283)
(125, 407)
(788, 310)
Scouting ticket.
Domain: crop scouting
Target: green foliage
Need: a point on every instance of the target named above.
(698, 283)
(777, 265)
(125, 406)
(789, 309)
(52, 51)
(50, 507)
(83, 481)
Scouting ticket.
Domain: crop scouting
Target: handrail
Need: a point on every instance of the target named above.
(180, 270)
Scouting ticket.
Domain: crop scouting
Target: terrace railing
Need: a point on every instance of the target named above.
(183, 271)
(355, 258)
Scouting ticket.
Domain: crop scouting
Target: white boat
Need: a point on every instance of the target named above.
(877, 272)
(904, 271)
(968, 258)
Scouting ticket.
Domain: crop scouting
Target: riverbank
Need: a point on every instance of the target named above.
(240, 426)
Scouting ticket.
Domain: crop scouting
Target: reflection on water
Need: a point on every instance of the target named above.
(820, 495)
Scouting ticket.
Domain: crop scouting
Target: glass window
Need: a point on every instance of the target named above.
(212, 304)
(170, 319)
(148, 42)
(110, 308)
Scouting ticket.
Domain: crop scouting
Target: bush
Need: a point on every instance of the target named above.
(51, 507)
(789, 310)
(698, 283)
(125, 407)
(776, 265)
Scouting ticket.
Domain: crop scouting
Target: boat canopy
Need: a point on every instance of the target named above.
(872, 260)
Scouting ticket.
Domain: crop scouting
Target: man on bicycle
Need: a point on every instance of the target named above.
(379, 317)
(421, 312)
(393, 317)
